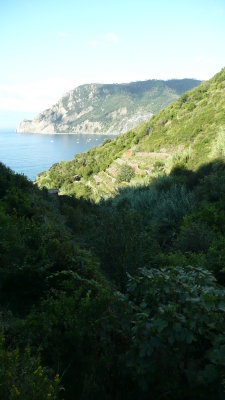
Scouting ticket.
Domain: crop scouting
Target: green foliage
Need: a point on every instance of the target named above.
(192, 122)
(34, 243)
(195, 237)
(177, 332)
(219, 146)
(125, 173)
(79, 325)
(23, 377)
(63, 262)
(162, 209)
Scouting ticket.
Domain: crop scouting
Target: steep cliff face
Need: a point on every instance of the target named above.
(107, 109)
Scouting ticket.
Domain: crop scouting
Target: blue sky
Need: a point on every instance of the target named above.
(48, 47)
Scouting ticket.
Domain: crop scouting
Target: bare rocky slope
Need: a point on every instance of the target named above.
(107, 108)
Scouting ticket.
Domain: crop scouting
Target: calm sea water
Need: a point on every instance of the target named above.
(30, 154)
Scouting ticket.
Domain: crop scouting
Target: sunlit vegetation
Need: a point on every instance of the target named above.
(187, 133)
(125, 173)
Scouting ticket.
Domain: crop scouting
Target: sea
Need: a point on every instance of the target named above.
(32, 153)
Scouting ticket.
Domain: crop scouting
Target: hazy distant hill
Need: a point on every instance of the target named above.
(107, 108)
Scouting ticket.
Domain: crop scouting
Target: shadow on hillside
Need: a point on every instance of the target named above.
(179, 175)
(52, 283)
(142, 225)
(177, 219)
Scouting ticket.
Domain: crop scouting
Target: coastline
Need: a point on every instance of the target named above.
(70, 133)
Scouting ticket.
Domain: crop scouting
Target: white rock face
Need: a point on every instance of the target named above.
(106, 109)
(35, 126)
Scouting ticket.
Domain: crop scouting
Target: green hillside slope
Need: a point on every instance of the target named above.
(189, 132)
(123, 299)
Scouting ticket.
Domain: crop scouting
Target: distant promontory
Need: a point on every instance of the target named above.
(107, 108)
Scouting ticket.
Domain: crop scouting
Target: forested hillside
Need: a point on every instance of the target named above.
(124, 297)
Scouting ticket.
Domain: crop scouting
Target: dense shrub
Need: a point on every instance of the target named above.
(177, 333)
(195, 237)
(71, 287)
(125, 173)
(22, 376)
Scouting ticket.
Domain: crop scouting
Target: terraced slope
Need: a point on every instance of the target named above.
(187, 134)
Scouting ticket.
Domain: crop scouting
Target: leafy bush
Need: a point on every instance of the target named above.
(79, 324)
(195, 237)
(162, 209)
(125, 173)
(178, 327)
(158, 166)
(22, 377)
(219, 146)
